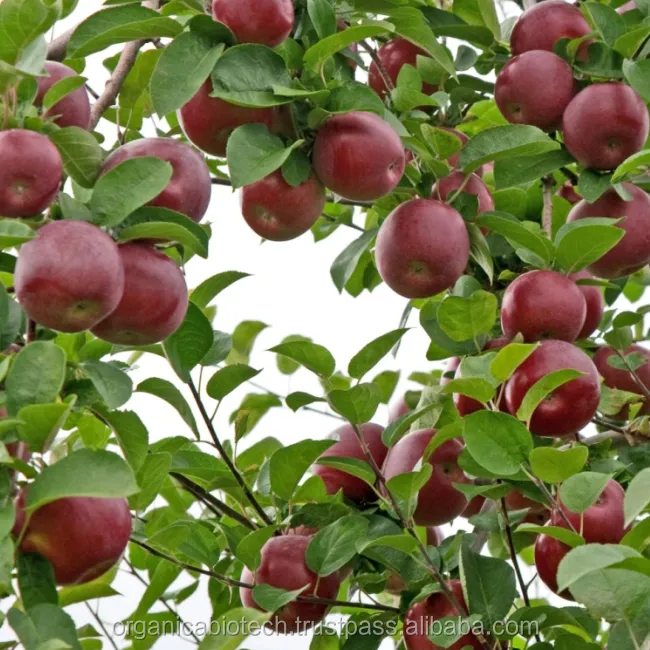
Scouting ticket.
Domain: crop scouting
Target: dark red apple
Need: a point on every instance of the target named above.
(422, 248)
(82, 537)
(571, 406)
(74, 108)
(438, 501)
(473, 507)
(268, 22)
(154, 301)
(279, 212)
(541, 26)
(568, 193)
(190, 187)
(633, 251)
(348, 446)
(450, 370)
(284, 566)
(393, 55)
(535, 88)
(450, 185)
(595, 303)
(543, 304)
(420, 618)
(549, 552)
(604, 124)
(209, 121)
(70, 277)
(30, 173)
(358, 156)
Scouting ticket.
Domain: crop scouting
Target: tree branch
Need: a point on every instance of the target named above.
(547, 212)
(513, 554)
(388, 82)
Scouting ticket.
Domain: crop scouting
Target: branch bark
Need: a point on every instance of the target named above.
(547, 212)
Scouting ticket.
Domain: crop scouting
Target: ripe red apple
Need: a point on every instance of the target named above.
(348, 445)
(154, 302)
(30, 174)
(393, 55)
(358, 156)
(604, 124)
(633, 251)
(422, 248)
(568, 193)
(284, 567)
(399, 409)
(420, 618)
(82, 537)
(595, 303)
(473, 507)
(438, 501)
(535, 88)
(450, 370)
(541, 26)
(189, 189)
(451, 184)
(70, 277)
(543, 304)
(209, 121)
(268, 22)
(571, 406)
(73, 109)
(279, 212)
(623, 379)
(549, 552)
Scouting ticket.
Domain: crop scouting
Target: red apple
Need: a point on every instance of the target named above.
(358, 156)
(279, 212)
(70, 277)
(209, 121)
(422, 248)
(549, 552)
(190, 187)
(268, 22)
(74, 108)
(450, 185)
(30, 174)
(568, 193)
(535, 88)
(438, 501)
(571, 406)
(399, 409)
(348, 446)
(543, 304)
(393, 55)
(604, 124)
(284, 567)
(541, 26)
(595, 304)
(473, 507)
(154, 302)
(450, 370)
(420, 618)
(632, 253)
(82, 537)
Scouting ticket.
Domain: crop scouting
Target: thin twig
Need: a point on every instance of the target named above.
(644, 389)
(30, 334)
(388, 82)
(551, 501)
(547, 211)
(95, 615)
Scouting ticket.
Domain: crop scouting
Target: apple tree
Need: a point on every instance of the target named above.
(491, 170)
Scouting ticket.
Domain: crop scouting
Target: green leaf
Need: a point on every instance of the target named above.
(511, 172)
(564, 535)
(83, 473)
(310, 355)
(151, 478)
(166, 391)
(322, 17)
(462, 319)
(557, 465)
(182, 68)
(636, 163)
(13, 233)
(542, 389)
(370, 355)
(357, 404)
(36, 581)
(509, 358)
(224, 640)
(61, 89)
(249, 550)
(498, 441)
(243, 339)
(479, 250)
(45, 627)
(359, 468)
(11, 320)
(209, 289)
(489, 585)
(181, 232)
(475, 387)
(114, 385)
(345, 264)
(163, 576)
(81, 154)
(131, 434)
(36, 376)
(637, 497)
(189, 344)
(490, 18)
(82, 593)
(125, 188)
(638, 75)
(609, 24)
(272, 599)
(119, 25)
(299, 399)
(41, 423)
(227, 379)
(593, 185)
(244, 75)
(505, 142)
(289, 464)
(406, 487)
(334, 546)
(397, 429)
(581, 491)
(582, 242)
(253, 153)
